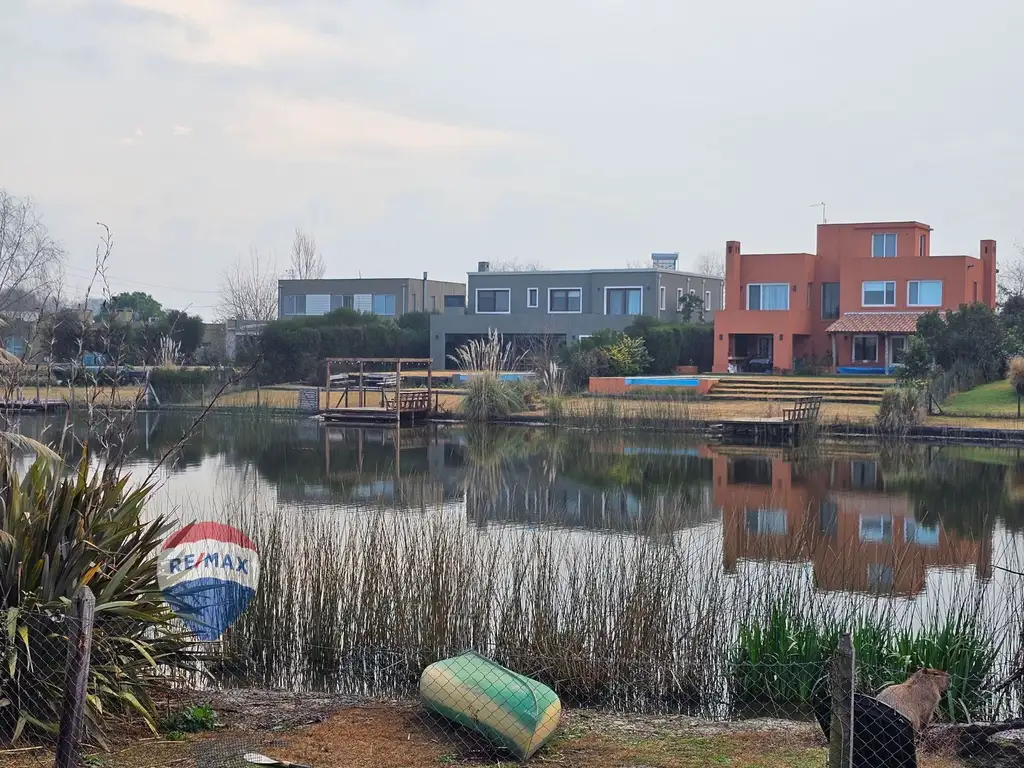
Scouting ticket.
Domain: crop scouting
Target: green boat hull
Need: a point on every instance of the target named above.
(509, 709)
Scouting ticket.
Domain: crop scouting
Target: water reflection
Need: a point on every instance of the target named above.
(864, 518)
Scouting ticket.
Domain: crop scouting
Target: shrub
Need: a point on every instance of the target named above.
(899, 410)
(488, 398)
(194, 719)
(628, 356)
(1016, 374)
(57, 533)
(675, 344)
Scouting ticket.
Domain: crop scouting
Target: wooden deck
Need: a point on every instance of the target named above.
(406, 407)
(787, 429)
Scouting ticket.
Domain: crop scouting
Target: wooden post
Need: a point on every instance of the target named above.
(841, 675)
(327, 386)
(398, 391)
(38, 398)
(835, 360)
(76, 680)
(430, 387)
(257, 394)
(362, 392)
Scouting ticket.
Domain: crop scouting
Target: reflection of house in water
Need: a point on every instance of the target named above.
(838, 516)
(601, 485)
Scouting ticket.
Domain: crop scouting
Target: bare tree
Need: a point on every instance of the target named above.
(710, 263)
(1011, 276)
(248, 289)
(306, 262)
(514, 265)
(30, 260)
(639, 264)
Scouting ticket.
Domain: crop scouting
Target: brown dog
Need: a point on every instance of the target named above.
(918, 697)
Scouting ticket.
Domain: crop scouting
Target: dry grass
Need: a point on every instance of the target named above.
(382, 736)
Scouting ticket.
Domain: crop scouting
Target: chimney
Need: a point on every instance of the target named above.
(424, 307)
(483, 266)
(988, 269)
(733, 278)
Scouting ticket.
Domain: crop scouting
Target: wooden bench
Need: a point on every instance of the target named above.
(804, 411)
(410, 401)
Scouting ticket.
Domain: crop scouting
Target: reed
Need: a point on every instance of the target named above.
(361, 603)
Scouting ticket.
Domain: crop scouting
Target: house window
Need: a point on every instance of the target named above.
(532, 298)
(707, 301)
(768, 296)
(623, 301)
(454, 301)
(384, 304)
(922, 242)
(865, 349)
(679, 297)
(493, 301)
(897, 348)
(661, 297)
(883, 246)
(922, 535)
(15, 345)
(877, 528)
(829, 301)
(772, 522)
(433, 303)
(878, 293)
(565, 300)
(863, 475)
(880, 577)
(341, 302)
(924, 293)
(293, 305)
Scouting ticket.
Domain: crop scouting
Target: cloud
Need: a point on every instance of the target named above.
(236, 33)
(277, 122)
(181, 130)
(134, 138)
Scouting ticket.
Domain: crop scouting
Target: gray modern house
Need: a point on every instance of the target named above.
(568, 305)
(390, 296)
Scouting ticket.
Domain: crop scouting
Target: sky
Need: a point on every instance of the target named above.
(412, 135)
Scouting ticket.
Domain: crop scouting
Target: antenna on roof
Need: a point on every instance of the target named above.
(822, 206)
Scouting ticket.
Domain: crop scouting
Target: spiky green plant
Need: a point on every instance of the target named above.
(58, 533)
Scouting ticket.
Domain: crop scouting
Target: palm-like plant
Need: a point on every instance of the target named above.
(57, 534)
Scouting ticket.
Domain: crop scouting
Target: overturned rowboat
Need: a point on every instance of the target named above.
(509, 709)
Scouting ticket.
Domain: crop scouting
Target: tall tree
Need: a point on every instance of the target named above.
(248, 289)
(30, 259)
(186, 330)
(141, 303)
(307, 263)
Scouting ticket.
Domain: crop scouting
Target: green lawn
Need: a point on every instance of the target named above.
(995, 399)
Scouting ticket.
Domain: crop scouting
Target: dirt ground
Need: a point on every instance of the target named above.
(332, 734)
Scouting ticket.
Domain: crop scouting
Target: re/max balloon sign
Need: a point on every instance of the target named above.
(208, 573)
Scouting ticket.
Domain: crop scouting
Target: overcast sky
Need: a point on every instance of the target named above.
(430, 134)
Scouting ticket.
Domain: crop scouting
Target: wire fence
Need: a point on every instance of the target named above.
(78, 689)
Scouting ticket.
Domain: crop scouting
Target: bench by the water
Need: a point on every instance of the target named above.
(772, 430)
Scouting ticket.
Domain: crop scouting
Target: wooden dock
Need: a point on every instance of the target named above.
(363, 396)
(786, 430)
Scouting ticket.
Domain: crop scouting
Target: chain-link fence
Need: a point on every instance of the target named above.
(84, 690)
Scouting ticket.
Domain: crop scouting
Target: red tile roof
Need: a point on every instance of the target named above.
(876, 322)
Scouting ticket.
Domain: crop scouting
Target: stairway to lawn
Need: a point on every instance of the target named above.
(834, 389)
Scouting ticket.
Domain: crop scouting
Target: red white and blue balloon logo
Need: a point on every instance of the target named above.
(208, 573)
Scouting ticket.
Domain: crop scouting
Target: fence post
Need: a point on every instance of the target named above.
(841, 676)
(75, 680)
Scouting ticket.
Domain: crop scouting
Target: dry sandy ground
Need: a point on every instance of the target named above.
(404, 736)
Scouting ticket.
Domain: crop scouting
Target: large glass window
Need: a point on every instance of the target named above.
(772, 522)
(768, 296)
(829, 301)
(878, 293)
(623, 301)
(924, 293)
(865, 349)
(924, 535)
(384, 304)
(293, 305)
(493, 301)
(341, 302)
(565, 300)
(876, 528)
(883, 246)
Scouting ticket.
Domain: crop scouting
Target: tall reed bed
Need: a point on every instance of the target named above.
(362, 602)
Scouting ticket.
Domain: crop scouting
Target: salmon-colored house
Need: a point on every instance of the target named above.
(850, 306)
